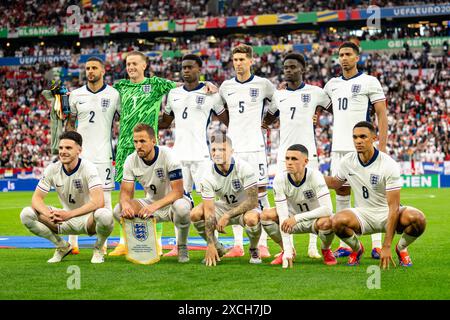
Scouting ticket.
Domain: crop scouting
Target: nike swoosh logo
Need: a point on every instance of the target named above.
(231, 93)
(262, 179)
(176, 99)
(333, 89)
(217, 190)
(59, 186)
(283, 100)
(82, 102)
(351, 174)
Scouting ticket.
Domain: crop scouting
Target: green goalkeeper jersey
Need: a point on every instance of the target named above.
(140, 102)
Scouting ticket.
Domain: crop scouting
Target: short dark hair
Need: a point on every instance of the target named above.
(296, 56)
(366, 124)
(144, 127)
(193, 57)
(72, 135)
(349, 44)
(243, 48)
(298, 147)
(97, 59)
(220, 137)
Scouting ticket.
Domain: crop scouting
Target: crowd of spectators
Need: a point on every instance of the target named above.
(53, 12)
(416, 84)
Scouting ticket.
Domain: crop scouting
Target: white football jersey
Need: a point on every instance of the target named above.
(370, 181)
(301, 197)
(192, 111)
(229, 187)
(352, 101)
(245, 101)
(72, 188)
(95, 114)
(155, 177)
(297, 108)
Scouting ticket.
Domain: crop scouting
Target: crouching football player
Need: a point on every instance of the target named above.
(235, 183)
(80, 191)
(375, 178)
(156, 169)
(303, 205)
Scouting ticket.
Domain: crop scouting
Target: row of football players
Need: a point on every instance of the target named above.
(229, 193)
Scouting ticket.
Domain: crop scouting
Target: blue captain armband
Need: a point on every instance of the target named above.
(175, 175)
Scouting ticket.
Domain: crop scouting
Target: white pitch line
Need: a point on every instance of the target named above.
(408, 196)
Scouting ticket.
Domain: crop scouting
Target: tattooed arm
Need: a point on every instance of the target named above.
(210, 220)
(250, 203)
(211, 255)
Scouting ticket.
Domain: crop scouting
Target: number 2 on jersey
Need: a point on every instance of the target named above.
(91, 119)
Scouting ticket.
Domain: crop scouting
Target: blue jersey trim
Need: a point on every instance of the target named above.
(301, 182)
(201, 85)
(74, 170)
(356, 75)
(372, 160)
(151, 162)
(229, 170)
(99, 90)
(248, 80)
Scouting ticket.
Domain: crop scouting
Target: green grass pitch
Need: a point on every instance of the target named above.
(26, 275)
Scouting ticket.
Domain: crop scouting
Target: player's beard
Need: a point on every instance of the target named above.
(143, 155)
(94, 80)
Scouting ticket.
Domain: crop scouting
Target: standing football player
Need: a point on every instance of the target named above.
(192, 110)
(93, 107)
(296, 107)
(245, 96)
(140, 103)
(80, 191)
(353, 96)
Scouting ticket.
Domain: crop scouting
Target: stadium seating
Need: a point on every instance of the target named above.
(415, 83)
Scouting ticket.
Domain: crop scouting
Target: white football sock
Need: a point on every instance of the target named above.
(104, 225)
(238, 233)
(73, 240)
(352, 242)
(264, 203)
(376, 240)
(312, 241)
(30, 220)
(342, 202)
(405, 241)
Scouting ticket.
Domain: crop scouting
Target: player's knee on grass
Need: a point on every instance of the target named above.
(27, 216)
(181, 212)
(251, 219)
